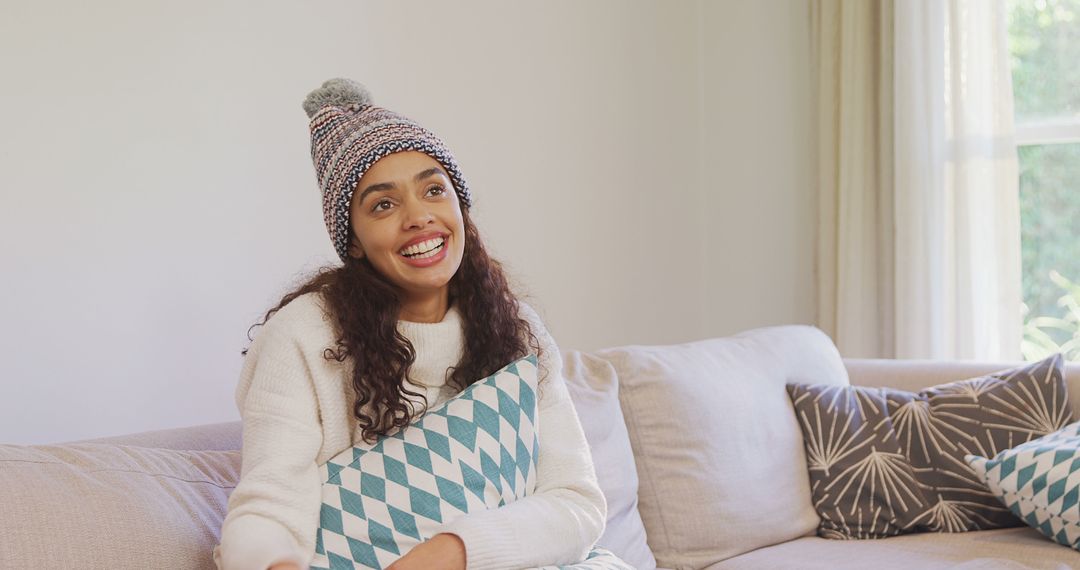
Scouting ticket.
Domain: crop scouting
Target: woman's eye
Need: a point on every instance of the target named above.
(376, 207)
(440, 189)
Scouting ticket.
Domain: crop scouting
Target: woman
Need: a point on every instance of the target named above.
(416, 313)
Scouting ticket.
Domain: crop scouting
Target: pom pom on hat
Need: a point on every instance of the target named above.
(339, 92)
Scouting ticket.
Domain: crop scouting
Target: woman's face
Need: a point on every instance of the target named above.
(406, 218)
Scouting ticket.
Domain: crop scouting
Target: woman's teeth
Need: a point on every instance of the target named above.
(423, 249)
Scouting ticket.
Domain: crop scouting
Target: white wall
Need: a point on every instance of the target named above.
(758, 185)
(641, 167)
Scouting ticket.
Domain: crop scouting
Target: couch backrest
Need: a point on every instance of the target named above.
(914, 375)
(223, 436)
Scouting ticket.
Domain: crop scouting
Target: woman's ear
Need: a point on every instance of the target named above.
(355, 249)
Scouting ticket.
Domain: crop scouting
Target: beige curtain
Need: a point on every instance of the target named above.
(853, 54)
(919, 243)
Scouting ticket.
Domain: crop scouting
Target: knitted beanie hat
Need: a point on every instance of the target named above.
(348, 135)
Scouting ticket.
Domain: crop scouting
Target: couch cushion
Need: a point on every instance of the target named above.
(719, 455)
(594, 388)
(162, 508)
(474, 452)
(1018, 548)
(1040, 482)
(884, 462)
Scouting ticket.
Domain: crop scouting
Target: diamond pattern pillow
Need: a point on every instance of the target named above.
(884, 462)
(1040, 482)
(476, 451)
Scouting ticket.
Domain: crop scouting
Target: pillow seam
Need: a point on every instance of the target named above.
(648, 465)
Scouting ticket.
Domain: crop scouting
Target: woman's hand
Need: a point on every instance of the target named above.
(285, 566)
(442, 552)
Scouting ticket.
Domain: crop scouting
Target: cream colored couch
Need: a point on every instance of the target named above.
(696, 447)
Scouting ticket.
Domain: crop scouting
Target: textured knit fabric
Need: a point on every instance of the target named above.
(296, 411)
(348, 135)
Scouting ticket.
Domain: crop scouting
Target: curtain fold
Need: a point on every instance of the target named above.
(919, 243)
(853, 51)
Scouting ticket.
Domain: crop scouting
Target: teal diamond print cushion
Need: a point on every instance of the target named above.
(1040, 482)
(598, 559)
(476, 451)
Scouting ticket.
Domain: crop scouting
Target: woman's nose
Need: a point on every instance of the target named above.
(417, 213)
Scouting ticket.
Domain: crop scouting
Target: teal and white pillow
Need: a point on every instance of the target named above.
(476, 451)
(598, 559)
(1039, 481)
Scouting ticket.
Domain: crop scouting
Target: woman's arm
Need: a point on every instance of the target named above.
(274, 510)
(561, 521)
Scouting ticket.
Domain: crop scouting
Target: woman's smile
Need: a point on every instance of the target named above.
(425, 253)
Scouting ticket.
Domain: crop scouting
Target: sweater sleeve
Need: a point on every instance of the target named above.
(565, 516)
(273, 512)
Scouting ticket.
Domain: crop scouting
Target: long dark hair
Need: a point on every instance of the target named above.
(365, 307)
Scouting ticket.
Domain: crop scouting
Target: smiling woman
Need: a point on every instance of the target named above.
(416, 315)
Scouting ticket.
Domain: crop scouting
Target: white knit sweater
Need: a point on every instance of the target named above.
(296, 408)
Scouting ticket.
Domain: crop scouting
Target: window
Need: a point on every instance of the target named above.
(1044, 46)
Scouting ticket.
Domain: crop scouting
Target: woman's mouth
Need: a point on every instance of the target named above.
(425, 253)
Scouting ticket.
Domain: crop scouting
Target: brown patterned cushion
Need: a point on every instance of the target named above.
(885, 462)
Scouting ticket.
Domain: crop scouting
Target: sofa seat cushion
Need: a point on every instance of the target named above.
(1017, 548)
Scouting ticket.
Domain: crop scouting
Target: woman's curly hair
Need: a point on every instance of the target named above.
(365, 307)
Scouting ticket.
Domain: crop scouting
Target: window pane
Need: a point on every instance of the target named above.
(1050, 238)
(1044, 45)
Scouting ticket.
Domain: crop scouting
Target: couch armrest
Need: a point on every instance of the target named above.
(225, 436)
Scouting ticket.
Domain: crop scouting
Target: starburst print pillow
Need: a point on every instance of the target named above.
(885, 462)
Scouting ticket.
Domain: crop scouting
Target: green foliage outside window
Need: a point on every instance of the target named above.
(1049, 233)
(1043, 335)
(1044, 45)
